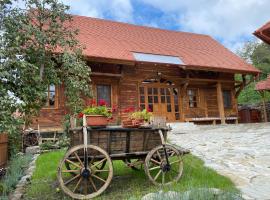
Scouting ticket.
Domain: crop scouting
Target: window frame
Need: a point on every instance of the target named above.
(196, 90)
(230, 95)
(56, 105)
(111, 94)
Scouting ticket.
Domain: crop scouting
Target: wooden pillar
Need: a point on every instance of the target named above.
(220, 103)
(264, 106)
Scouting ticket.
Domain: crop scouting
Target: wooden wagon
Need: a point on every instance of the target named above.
(87, 169)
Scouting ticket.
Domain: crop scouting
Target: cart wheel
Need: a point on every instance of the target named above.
(85, 183)
(158, 170)
(135, 164)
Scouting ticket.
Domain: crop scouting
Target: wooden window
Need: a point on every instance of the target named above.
(192, 98)
(227, 99)
(51, 97)
(104, 92)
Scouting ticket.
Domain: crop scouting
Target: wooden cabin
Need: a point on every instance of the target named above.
(182, 76)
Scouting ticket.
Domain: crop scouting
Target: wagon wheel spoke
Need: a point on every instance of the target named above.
(96, 164)
(85, 186)
(156, 162)
(156, 177)
(175, 162)
(78, 158)
(93, 184)
(71, 170)
(72, 179)
(97, 177)
(78, 183)
(159, 156)
(153, 168)
(73, 163)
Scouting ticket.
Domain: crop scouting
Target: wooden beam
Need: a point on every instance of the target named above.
(220, 103)
(105, 74)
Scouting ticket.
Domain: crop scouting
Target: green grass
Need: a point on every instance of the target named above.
(126, 182)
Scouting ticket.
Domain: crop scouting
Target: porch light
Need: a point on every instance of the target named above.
(155, 58)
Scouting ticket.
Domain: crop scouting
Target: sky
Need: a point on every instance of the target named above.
(231, 22)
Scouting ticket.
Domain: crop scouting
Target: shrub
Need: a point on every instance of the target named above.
(15, 171)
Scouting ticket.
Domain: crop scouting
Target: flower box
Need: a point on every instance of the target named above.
(96, 120)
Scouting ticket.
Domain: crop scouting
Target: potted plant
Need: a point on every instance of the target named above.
(136, 118)
(142, 116)
(97, 115)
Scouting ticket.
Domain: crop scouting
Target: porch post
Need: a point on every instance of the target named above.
(220, 103)
(264, 106)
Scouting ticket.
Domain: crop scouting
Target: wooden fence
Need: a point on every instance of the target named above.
(3, 149)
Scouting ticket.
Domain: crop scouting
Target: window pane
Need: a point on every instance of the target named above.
(52, 88)
(227, 99)
(162, 99)
(155, 91)
(52, 98)
(150, 91)
(142, 106)
(150, 99)
(150, 106)
(104, 92)
(169, 108)
(162, 91)
(176, 109)
(177, 116)
(142, 99)
(155, 99)
(168, 98)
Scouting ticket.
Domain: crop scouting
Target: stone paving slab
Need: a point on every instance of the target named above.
(241, 152)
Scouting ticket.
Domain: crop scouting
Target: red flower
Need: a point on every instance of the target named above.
(80, 115)
(102, 102)
(148, 109)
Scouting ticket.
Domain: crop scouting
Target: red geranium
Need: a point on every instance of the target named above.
(80, 115)
(114, 108)
(148, 109)
(102, 102)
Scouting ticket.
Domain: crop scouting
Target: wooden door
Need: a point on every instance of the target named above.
(161, 100)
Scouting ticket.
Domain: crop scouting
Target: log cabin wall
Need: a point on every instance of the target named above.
(126, 80)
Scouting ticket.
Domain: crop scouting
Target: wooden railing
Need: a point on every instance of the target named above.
(3, 149)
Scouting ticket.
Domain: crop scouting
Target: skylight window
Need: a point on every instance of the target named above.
(147, 57)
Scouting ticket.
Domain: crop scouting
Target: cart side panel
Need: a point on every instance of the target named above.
(116, 142)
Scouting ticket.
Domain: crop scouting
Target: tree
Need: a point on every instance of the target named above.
(39, 48)
(258, 54)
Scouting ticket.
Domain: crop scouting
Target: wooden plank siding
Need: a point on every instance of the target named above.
(125, 81)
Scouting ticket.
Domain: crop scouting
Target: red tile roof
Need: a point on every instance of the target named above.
(263, 85)
(115, 40)
(264, 33)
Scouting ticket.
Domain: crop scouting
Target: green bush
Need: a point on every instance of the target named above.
(16, 169)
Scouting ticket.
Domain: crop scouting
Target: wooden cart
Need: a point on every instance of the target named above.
(87, 169)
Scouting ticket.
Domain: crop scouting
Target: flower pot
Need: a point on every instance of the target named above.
(96, 120)
(129, 123)
(138, 121)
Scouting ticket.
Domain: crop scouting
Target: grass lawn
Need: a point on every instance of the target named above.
(126, 182)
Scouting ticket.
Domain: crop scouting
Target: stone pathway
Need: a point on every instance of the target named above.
(241, 152)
